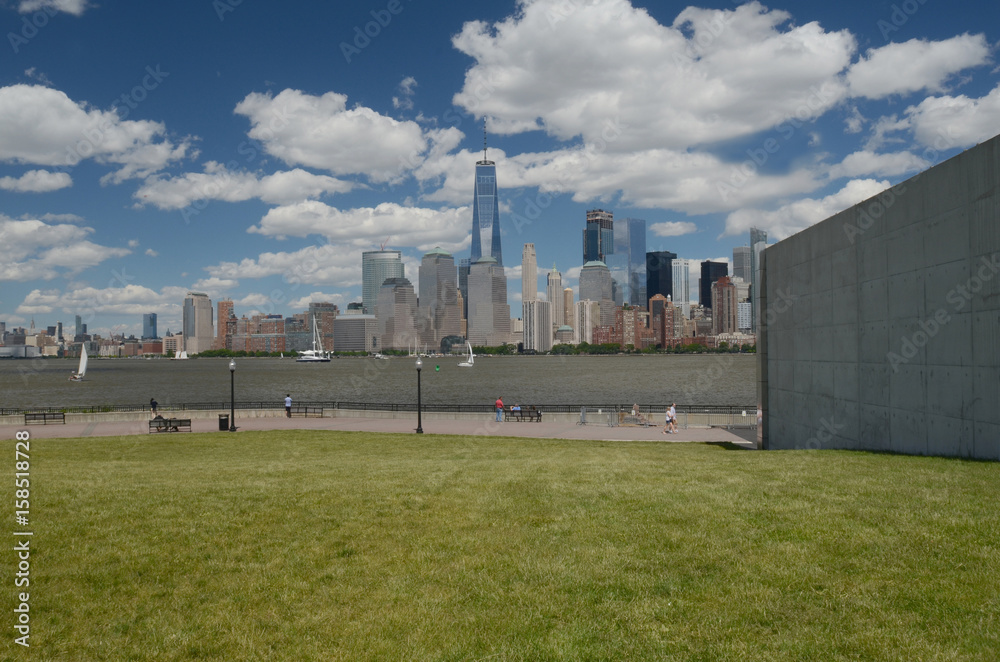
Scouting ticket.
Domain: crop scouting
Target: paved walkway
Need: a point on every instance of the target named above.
(485, 427)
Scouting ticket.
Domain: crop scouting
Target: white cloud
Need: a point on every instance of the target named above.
(215, 287)
(36, 181)
(855, 121)
(866, 162)
(151, 253)
(321, 132)
(326, 265)
(673, 228)
(803, 213)
(692, 182)
(583, 69)
(34, 74)
(90, 301)
(42, 126)
(34, 249)
(406, 90)
(420, 227)
(947, 122)
(915, 65)
(220, 183)
(74, 7)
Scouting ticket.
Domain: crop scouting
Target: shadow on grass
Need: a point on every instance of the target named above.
(727, 445)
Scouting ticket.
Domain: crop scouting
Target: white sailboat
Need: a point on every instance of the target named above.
(180, 356)
(82, 369)
(316, 354)
(468, 363)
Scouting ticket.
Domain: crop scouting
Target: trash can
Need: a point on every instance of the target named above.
(223, 422)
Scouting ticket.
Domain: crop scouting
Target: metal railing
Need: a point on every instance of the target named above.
(726, 416)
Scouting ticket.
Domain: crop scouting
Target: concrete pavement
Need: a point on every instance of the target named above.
(483, 425)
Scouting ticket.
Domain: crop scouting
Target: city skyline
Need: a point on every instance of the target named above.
(133, 171)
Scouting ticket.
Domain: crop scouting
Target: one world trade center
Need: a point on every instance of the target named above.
(486, 210)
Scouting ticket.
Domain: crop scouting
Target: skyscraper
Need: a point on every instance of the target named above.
(489, 314)
(568, 308)
(197, 323)
(224, 313)
(682, 285)
(464, 265)
(588, 315)
(486, 209)
(395, 314)
(529, 274)
(149, 326)
(598, 236)
(537, 317)
(628, 261)
(660, 273)
(553, 292)
(376, 267)
(637, 260)
(595, 285)
(438, 312)
(741, 263)
(758, 242)
(724, 311)
(710, 272)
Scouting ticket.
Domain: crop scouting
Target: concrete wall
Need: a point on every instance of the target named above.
(881, 325)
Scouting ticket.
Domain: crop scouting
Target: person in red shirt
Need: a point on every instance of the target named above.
(499, 406)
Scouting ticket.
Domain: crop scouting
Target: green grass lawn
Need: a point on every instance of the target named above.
(356, 546)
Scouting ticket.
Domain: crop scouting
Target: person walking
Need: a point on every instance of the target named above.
(288, 405)
(671, 420)
(152, 407)
(499, 406)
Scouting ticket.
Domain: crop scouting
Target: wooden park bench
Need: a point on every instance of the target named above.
(44, 417)
(170, 425)
(523, 414)
(303, 410)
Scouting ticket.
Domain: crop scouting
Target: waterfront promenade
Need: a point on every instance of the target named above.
(480, 425)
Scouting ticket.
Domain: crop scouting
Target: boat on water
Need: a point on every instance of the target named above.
(379, 355)
(82, 369)
(316, 354)
(470, 361)
(180, 356)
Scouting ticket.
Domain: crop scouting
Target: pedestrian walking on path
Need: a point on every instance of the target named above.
(499, 406)
(152, 407)
(288, 405)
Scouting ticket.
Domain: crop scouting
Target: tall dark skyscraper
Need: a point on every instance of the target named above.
(710, 272)
(486, 209)
(659, 274)
(149, 325)
(598, 236)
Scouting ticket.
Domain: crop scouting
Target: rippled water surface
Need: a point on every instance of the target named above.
(648, 380)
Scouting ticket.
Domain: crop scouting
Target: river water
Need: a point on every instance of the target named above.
(708, 379)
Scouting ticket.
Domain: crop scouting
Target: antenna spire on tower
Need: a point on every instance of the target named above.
(484, 138)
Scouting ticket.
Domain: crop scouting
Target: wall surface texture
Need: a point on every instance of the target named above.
(881, 325)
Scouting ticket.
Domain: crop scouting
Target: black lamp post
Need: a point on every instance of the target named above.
(232, 395)
(420, 364)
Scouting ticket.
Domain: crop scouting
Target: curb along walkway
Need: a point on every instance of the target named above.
(485, 427)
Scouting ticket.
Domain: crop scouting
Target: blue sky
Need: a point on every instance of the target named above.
(253, 150)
